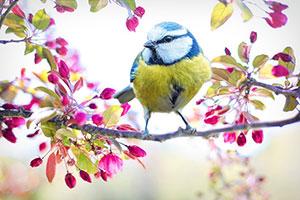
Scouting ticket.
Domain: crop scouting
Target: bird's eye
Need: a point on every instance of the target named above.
(168, 38)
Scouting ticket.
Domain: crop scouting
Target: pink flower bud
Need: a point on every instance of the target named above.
(17, 121)
(37, 58)
(229, 137)
(253, 36)
(53, 78)
(50, 44)
(258, 136)
(276, 19)
(103, 175)
(17, 11)
(280, 71)
(33, 134)
(61, 41)
(107, 93)
(70, 180)
(42, 146)
(52, 22)
(229, 69)
(126, 107)
(111, 164)
(241, 140)
(276, 6)
(97, 119)
(59, 9)
(9, 135)
(85, 176)
(136, 151)
(36, 162)
(132, 23)
(139, 11)
(9, 106)
(30, 16)
(80, 118)
(65, 100)
(62, 50)
(227, 51)
(92, 106)
(283, 56)
(63, 70)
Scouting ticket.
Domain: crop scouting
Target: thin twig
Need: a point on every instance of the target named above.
(94, 130)
(13, 41)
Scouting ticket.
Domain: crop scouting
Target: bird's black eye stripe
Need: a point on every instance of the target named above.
(168, 38)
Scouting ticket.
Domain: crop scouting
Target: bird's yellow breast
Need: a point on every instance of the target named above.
(153, 83)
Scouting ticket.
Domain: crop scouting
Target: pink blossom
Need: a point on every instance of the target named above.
(131, 23)
(111, 164)
(276, 6)
(65, 100)
(53, 78)
(80, 118)
(241, 140)
(92, 106)
(107, 93)
(85, 176)
(126, 107)
(18, 11)
(280, 71)
(136, 151)
(50, 44)
(276, 19)
(64, 70)
(212, 120)
(62, 51)
(36, 162)
(97, 119)
(42, 146)
(9, 135)
(139, 11)
(70, 180)
(253, 36)
(257, 136)
(37, 59)
(227, 51)
(61, 41)
(229, 137)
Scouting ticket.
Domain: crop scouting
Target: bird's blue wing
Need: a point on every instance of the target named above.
(135, 67)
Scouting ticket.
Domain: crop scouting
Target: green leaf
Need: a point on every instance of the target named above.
(29, 48)
(260, 60)
(290, 103)
(246, 12)
(258, 104)
(39, 50)
(49, 92)
(264, 92)
(220, 14)
(49, 129)
(41, 20)
(228, 61)
(43, 1)
(243, 52)
(50, 59)
(97, 5)
(67, 3)
(112, 115)
(213, 89)
(236, 77)
(289, 65)
(99, 143)
(84, 162)
(131, 4)
(64, 132)
(13, 21)
(20, 32)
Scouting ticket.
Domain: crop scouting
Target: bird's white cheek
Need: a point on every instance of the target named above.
(175, 50)
(146, 54)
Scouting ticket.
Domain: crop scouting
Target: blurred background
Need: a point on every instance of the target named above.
(176, 169)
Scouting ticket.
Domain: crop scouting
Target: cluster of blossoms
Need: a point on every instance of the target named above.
(276, 18)
(230, 96)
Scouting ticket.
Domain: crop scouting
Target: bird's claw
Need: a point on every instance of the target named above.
(189, 129)
(145, 134)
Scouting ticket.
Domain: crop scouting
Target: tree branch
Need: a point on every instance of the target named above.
(94, 130)
(276, 89)
(7, 11)
(11, 41)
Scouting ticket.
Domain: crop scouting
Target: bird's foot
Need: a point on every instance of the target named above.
(145, 134)
(189, 129)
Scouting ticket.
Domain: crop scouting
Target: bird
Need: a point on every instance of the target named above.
(167, 73)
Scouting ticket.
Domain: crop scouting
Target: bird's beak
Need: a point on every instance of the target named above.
(149, 44)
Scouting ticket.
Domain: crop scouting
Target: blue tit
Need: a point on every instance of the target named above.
(168, 72)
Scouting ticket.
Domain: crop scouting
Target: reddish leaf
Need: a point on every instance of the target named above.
(78, 85)
(51, 167)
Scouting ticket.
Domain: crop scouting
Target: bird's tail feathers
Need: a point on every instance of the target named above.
(125, 95)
